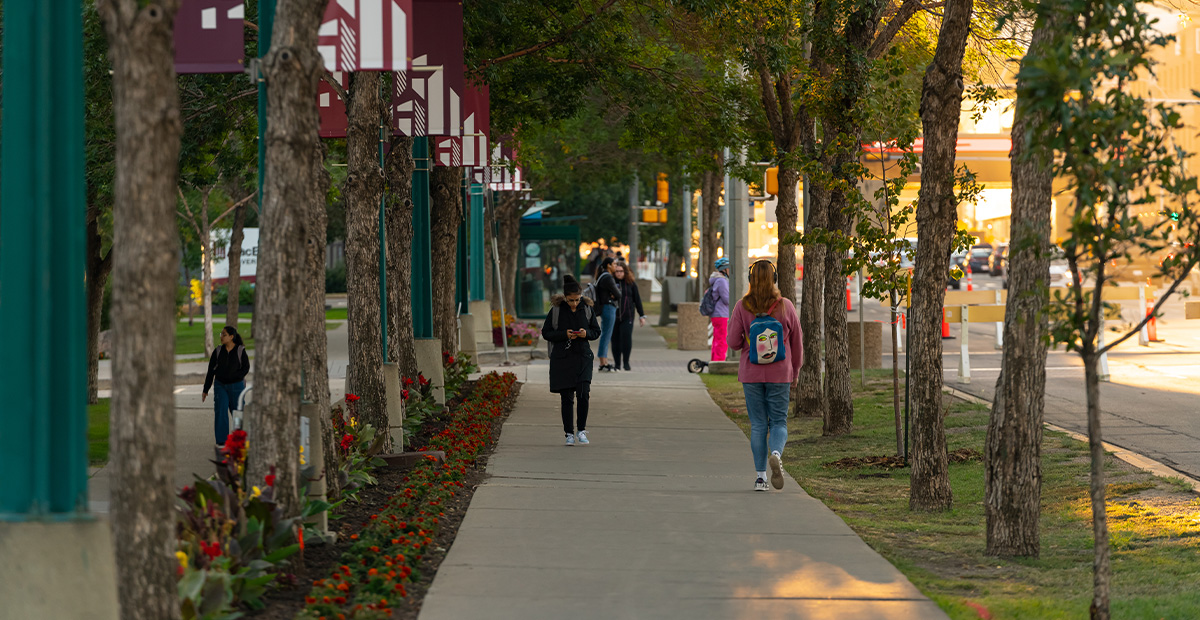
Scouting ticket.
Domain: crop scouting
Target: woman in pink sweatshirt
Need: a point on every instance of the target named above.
(767, 366)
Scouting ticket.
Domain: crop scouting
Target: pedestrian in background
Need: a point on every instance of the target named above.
(765, 328)
(569, 325)
(629, 308)
(608, 295)
(718, 282)
(227, 370)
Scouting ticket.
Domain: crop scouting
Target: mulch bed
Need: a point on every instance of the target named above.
(285, 602)
(961, 455)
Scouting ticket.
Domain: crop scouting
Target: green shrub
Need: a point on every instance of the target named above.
(245, 294)
(335, 279)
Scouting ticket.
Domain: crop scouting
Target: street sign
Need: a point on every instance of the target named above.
(428, 99)
(367, 35)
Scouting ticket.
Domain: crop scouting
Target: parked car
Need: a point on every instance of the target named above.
(979, 258)
(998, 261)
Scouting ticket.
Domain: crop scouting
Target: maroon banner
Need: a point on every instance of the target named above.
(428, 99)
(476, 124)
(210, 36)
(332, 109)
(367, 35)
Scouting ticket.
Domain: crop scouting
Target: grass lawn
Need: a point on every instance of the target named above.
(189, 340)
(1154, 525)
(98, 433)
(336, 314)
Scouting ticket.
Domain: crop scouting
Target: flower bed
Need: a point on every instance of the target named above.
(385, 555)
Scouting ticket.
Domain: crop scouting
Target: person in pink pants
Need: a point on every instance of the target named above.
(719, 282)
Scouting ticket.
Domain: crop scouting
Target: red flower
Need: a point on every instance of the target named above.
(351, 398)
(347, 441)
(404, 394)
(270, 480)
(422, 379)
(450, 359)
(408, 381)
(212, 550)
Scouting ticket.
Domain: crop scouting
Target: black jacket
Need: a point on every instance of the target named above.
(227, 366)
(631, 299)
(570, 364)
(607, 290)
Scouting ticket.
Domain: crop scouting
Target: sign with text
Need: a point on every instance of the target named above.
(366, 35)
(210, 36)
(220, 245)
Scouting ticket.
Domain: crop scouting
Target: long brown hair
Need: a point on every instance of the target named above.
(763, 291)
(628, 279)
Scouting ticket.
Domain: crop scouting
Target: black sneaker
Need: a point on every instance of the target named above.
(760, 485)
(627, 368)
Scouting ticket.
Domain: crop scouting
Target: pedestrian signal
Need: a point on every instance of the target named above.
(664, 188)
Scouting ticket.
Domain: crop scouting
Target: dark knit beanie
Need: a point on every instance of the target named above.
(570, 285)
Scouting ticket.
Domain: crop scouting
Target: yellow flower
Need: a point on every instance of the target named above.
(302, 460)
(255, 492)
(353, 423)
(183, 559)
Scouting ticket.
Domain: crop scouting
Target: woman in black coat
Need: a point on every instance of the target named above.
(628, 309)
(569, 325)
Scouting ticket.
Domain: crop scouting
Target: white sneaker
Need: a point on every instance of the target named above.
(760, 485)
(571, 439)
(583, 440)
(776, 470)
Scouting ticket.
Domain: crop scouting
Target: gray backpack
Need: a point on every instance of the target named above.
(588, 313)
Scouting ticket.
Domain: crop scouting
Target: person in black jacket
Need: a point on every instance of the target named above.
(628, 308)
(608, 295)
(569, 325)
(227, 369)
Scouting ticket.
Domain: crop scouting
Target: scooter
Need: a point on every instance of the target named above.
(697, 366)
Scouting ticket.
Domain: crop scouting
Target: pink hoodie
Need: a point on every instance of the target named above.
(779, 372)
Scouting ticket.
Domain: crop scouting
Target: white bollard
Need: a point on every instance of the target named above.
(1104, 374)
(964, 359)
(999, 326)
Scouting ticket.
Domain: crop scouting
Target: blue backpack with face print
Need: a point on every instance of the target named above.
(766, 338)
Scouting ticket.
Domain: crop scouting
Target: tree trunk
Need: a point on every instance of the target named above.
(206, 274)
(1012, 458)
(292, 69)
(807, 394)
(98, 268)
(316, 344)
(446, 215)
(711, 195)
(896, 377)
(145, 235)
(363, 191)
(401, 343)
(1101, 563)
(839, 398)
(508, 220)
(234, 283)
(786, 214)
(937, 215)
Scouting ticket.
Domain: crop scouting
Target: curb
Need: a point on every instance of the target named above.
(1133, 458)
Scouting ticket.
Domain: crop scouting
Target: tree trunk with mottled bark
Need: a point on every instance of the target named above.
(292, 69)
(808, 393)
(711, 197)
(787, 211)
(398, 221)
(206, 277)
(839, 398)
(316, 343)
(98, 268)
(146, 240)
(1012, 458)
(363, 191)
(508, 220)
(234, 283)
(1101, 558)
(937, 216)
(446, 214)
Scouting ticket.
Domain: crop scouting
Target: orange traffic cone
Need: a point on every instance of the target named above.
(945, 326)
(1152, 326)
(970, 286)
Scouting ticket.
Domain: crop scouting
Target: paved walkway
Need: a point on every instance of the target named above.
(655, 519)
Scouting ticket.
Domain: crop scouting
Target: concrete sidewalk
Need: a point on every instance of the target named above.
(655, 519)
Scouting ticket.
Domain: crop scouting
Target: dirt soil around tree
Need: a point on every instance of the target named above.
(352, 516)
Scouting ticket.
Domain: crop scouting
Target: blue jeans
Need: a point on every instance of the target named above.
(225, 398)
(608, 318)
(767, 404)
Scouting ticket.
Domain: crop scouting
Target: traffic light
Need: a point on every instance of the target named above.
(772, 181)
(654, 215)
(664, 188)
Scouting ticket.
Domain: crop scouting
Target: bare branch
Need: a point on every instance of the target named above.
(552, 41)
(889, 32)
(234, 206)
(337, 88)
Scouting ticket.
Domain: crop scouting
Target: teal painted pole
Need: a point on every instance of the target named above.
(462, 269)
(477, 252)
(383, 315)
(422, 258)
(43, 449)
(266, 23)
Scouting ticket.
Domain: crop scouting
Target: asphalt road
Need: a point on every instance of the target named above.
(1151, 405)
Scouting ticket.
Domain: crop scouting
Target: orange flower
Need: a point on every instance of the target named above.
(372, 572)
